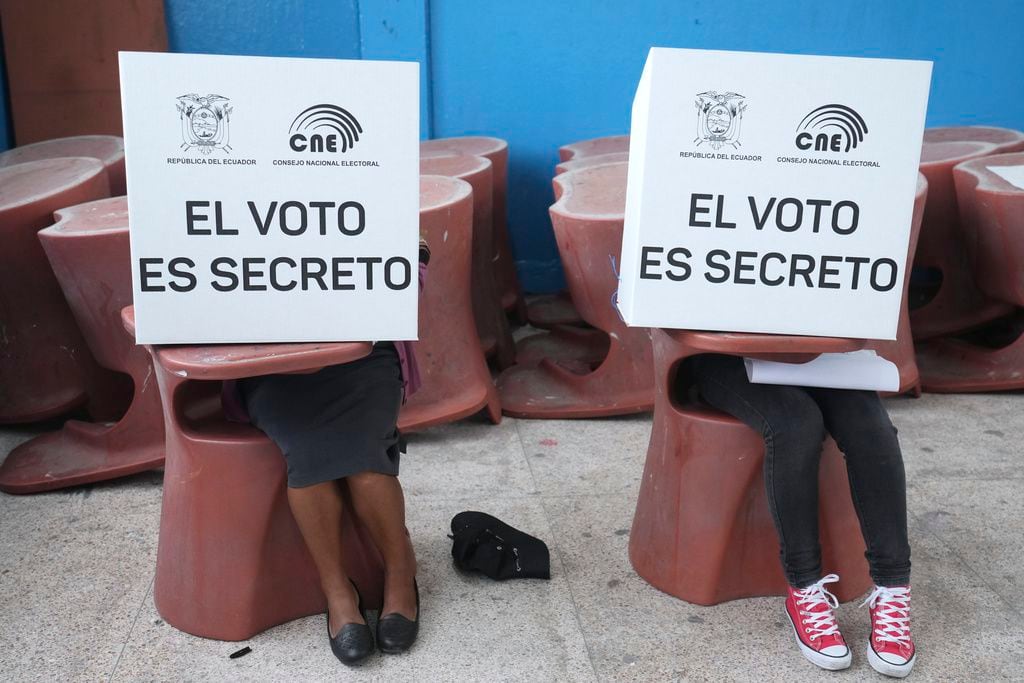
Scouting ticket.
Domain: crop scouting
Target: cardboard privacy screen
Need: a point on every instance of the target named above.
(771, 193)
(271, 200)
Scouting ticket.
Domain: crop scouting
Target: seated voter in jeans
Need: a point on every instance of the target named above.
(793, 422)
(341, 423)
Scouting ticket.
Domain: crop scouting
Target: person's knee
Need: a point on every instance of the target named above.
(865, 410)
(368, 480)
(799, 432)
(864, 425)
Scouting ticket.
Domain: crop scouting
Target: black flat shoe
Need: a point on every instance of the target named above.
(396, 633)
(354, 642)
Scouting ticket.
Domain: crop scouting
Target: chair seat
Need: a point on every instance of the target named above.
(456, 380)
(495, 150)
(944, 247)
(594, 146)
(107, 149)
(88, 251)
(1006, 140)
(45, 365)
(230, 560)
(587, 161)
(702, 529)
(995, 209)
(491, 321)
(587, 219)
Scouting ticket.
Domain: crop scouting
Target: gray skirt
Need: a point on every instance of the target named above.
(339, 421)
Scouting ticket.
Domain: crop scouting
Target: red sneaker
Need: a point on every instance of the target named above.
(890, 649)
(814, 625)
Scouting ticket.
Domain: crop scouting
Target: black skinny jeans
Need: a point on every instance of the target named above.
(793, 422)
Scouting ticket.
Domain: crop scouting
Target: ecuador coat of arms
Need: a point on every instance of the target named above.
(205, 122)
(718, 118)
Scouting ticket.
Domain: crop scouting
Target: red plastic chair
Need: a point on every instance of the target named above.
(1006, 140)
(593, 146)
(491, 321)
(702, 530)
(945, 245)
(109, 149)
(554, 310)
(456, 380)
(545, 311)
(230, 560)
(496, 150)
(995, 209)
(88, 250)
(571, 345)
(587, 219)
(901, 351)
(45, 367)
(586, 161)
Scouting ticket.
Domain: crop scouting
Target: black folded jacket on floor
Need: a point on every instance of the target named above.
(487, 545)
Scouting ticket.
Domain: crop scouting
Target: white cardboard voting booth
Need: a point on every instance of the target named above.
(271, 200)
(771, 193)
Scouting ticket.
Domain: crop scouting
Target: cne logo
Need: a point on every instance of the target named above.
(831, 128)
(324, 128)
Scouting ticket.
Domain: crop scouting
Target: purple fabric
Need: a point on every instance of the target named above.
(234, 408)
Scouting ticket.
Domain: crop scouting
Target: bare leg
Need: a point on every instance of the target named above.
(380, 504)
(318, 510)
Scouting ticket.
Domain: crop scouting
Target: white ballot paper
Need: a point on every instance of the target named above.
(1011, 174)
(854, 370)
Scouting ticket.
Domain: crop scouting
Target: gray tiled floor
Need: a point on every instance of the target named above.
(76, 569)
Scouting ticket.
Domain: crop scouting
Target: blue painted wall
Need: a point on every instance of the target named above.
(541, 73)
(398, 29)
(6, 137)
(273, 28)
(341, 29)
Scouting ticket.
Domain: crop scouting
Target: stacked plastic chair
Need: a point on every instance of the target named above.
(945, 245)
(552, 310)
(958, 312)
(108, 149)
(588, 221)
(88, 251)
(491, 321)
(703, 531)
(901, 351)
(230, 559)
(456, 380)
(594, 146)
(1006, 140)
(994, 208)
(496, 150)
(577, 163)
(45, 367)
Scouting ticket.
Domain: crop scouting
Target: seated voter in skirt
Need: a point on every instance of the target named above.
(793, 422)
(341, 424)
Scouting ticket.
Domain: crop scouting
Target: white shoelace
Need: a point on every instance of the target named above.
(892, 623)
(818, 624)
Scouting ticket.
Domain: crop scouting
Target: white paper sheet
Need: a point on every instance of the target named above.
(855, 370)
(1011, 174)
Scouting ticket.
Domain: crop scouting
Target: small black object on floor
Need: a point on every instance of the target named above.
(487, 545)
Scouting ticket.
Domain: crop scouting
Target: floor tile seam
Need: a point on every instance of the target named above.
(931, 478)
(561, 563)
(1007, 603)
(135, 621)
(534, 495)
